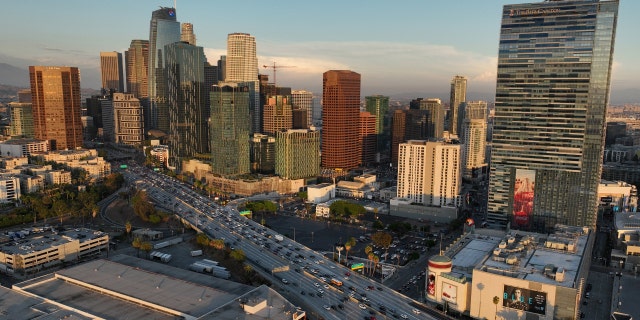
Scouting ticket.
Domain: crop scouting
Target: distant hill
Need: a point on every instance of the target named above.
(13, 76)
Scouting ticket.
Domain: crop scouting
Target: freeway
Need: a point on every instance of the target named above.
(301, 273)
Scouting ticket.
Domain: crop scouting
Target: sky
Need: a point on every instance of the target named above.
(409, 47)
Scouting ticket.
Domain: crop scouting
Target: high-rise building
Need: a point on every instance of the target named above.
(24, 96)
(304, 100)
(263, 153)
(340, 116)
(242, 67)
(408, 125)
(473, 135)
(21, 119)
(230, 128)
(164, 29)
(128, 119)
(188, 115)
(554, 73)
(436, 117)
(108, 122)
(458, 96)
(429, 173)
(298, 153)
(368, 138)
(277, 114)
(186, 33)
(379, 107)
(137, 61)
(55, 93)
(111, 70)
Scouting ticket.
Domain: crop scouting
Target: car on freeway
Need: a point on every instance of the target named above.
(326, 307)
(362, 306)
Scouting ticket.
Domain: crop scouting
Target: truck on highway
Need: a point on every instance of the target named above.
(279, 237)
(336, 282)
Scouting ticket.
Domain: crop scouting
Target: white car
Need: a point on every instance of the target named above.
(320, 290)
(416, 311)
(404, 316)
(326, 307)
(316, 284)
(362, 306)
(326, 286)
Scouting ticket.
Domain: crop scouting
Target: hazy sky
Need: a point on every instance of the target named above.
(410, 46)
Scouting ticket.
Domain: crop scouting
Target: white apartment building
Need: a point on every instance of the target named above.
(429, 173)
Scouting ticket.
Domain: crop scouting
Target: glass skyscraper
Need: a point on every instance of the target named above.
(554, 71)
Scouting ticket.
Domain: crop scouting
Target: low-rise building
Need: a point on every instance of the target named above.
(324, 209)
(23, 147)
(9, 189)
(55, 177)
(321, 192)
(619, 195)
(87, 159)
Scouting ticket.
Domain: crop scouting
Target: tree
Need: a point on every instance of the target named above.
(376, 260)
(202, 239)
(348, 246)
(146, 246)
(496, 300)
(128, 227)
(60, 208)
(382, 239)
(217, 244)
(368, 251)
(238, 255)
(137, 243)
(370, 257)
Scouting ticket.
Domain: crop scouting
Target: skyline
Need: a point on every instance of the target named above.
(413, 49)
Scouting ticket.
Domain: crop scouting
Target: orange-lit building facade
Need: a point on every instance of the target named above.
(340, 118)
(277, 114)
(56, 105)
(368, 137)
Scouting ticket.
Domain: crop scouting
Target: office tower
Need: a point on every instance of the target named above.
(230, 128)
(55, 94)
(429, 173)
(407, 125)
(111, 70)
(242, 67)
(316, 118)
(554, 72)
(210, 76)
(340, 116)
(298, 153)
(436, 117)
(263, 153)
(24, 96)
(222, 68)
(108, 122)
(458, 96)
(379, 107)
(186, 33)
(304, 100)
(473, 135)
(21, 119)
(163, 30)
(188, 115)
(614, 131)
(277, 114)
(368, 138)
(137, 61)
(300, 119)
(128, 119)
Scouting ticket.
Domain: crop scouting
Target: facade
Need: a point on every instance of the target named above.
(473, 136)
(263, 153)
(230, 129)
(9, 189)
(21, 119)
(303, 99)
(297, 153)
(300, 119)
(378, 106)
(87, 159)
(22, 147)
(186, 33)
(111, 70)
(56, 106)
(163, 30)
(137, 62)
(551, 100)
(241, 66)
(429, 173)
(277, 114)
(340, 114)
(458, 96)
(108, 121)
(368, 138)
(161, 153)
(618, 195)
(128, 119)
(188, 113)
(435, 126)
(320, 193)
(57, 177)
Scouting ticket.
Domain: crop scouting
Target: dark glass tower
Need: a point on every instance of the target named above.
(163, 30)
(554, 71)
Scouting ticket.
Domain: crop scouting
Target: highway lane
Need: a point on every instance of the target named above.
(263, 251)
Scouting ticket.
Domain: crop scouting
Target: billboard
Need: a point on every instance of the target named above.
(449, 293)
(525, 300)
(523, 197)
(431, 284)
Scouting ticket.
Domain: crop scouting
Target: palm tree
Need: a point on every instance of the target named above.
(146, 246)
(376, 260)
(496, 299)
(368, 251)
(128, 227)
(347, 247)
(137, 243)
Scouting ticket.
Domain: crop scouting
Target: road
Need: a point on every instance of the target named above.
(358, 296)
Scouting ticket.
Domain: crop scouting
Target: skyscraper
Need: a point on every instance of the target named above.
(230, 129)
(242, 67)
(186, 33)
(137, 61)
(128, 124)
(436, 117)
(188, 115)
(408, 125)
(277, 114)
(368, 138)
(304, 100)
(163, 30)
(379, 106)
(111, 70)
(340, 116)
(554, 71)
(55, 94)
(297, 153)
(458, 96)
(21, 119)
(473, 135)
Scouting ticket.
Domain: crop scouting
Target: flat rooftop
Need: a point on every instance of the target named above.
(18, 306)
(42, 240)
(522, 255)
(627, 222)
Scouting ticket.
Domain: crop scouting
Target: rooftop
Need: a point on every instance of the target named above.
(18, 306)
(33, 240)
(627, 222)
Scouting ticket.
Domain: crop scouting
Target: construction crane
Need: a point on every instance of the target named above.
(275, 68)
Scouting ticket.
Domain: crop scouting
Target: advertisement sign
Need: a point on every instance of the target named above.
(523, 193)
(449, 293)
(524, 299)
(431, 284)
